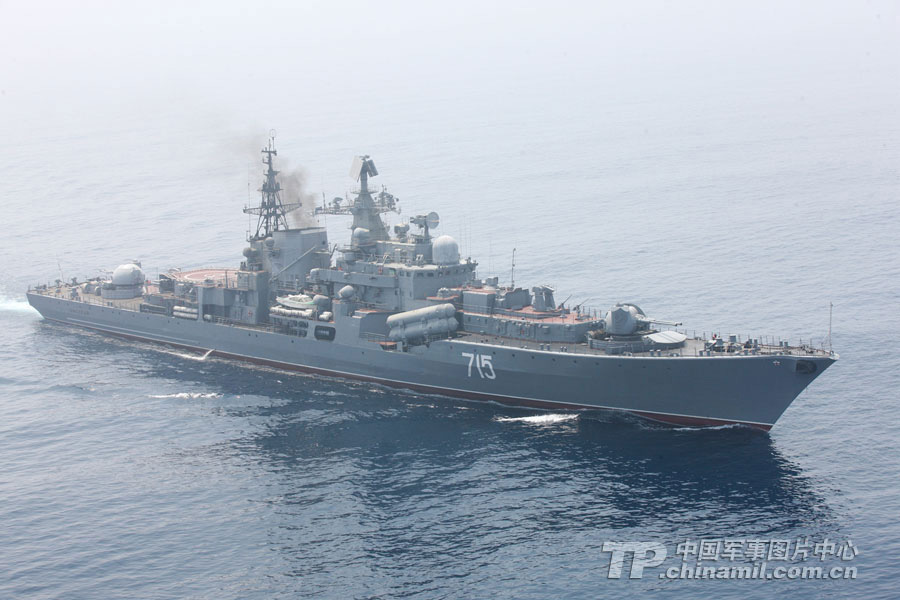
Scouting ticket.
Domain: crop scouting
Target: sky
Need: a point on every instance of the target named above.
(582, 106)
(80, 60)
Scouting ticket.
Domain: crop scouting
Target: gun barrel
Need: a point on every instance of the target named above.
(661, 322)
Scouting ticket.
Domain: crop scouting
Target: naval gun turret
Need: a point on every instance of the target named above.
(627, 329)
(627, 319)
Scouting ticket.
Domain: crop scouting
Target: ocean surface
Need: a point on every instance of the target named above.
(743, 203)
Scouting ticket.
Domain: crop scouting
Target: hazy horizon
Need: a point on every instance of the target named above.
(230, 64)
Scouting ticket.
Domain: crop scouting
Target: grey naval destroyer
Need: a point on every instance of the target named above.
(401, 308)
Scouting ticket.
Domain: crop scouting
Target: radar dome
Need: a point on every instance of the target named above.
(361, 237)
(128, 274)
(445, 251)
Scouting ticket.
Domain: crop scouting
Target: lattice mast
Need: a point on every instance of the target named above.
(271, 210)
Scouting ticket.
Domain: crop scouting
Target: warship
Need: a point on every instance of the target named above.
(400, 307)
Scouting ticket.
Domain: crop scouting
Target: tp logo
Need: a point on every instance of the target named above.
(640, 550)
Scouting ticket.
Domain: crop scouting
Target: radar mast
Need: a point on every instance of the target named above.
(271, 210)
(366, 209)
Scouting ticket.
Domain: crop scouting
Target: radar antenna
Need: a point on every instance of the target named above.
(367, 207)
(426, 222)
(271, 210)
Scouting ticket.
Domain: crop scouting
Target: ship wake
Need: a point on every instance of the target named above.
(189, 356)
(549, 419)
(713, 427)
(188, 395)
(12, 305)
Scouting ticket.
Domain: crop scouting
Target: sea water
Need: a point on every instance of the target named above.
(740, 203)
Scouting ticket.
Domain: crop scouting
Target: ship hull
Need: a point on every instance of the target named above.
(693, 391)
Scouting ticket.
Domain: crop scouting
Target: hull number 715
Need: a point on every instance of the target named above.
(482, 365)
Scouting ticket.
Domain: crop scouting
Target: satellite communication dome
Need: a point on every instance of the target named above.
(361, 237)
(128, 274)
(445, 251)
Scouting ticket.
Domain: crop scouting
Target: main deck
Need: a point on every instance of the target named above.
(694, 346)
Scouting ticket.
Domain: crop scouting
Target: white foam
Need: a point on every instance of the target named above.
(12, 305)
(188, 395)
(539, 419)
(422, 405)
(189, 356)
(711, 427)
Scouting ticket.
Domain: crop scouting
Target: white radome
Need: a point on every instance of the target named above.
(445, 251)
(128, 274)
